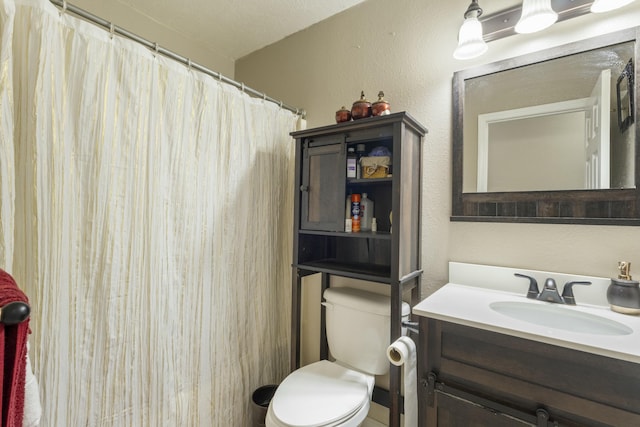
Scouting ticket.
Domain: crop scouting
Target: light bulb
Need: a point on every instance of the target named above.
(470, 41)
(536, 16)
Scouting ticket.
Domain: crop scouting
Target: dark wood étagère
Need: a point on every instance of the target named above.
(391, 254)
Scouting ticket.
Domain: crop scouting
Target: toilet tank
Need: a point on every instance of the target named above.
(358, 324)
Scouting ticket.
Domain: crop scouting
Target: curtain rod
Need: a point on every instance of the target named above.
(109, 26)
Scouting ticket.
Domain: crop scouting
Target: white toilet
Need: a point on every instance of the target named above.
(328, 394)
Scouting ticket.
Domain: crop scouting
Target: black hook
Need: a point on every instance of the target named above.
(14, 313)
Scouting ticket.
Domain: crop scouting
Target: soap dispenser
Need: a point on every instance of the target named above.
(623, 293)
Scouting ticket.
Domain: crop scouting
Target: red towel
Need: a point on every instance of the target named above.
(13, 356)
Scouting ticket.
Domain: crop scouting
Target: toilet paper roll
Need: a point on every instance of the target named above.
(402, 352)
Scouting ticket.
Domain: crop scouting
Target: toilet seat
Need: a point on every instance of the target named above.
(321, 394)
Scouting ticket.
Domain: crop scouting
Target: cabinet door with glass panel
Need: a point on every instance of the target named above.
(323, 179)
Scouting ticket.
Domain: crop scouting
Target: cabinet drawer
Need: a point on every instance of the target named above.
(574, 385)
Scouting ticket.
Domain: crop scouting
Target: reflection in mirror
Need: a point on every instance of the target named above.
(551, 136)
(549, 126)
(625, 97)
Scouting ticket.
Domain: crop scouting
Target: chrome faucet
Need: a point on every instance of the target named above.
(550, 290)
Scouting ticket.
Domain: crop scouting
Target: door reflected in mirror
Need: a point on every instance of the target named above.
(550, 126)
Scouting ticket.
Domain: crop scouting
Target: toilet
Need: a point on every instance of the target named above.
(338, 393)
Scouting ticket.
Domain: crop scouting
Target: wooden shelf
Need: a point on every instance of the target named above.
(373, 273)
(370, 272)
(370, 181)
(380, 235)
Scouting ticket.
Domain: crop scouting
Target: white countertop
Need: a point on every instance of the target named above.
(469, 305)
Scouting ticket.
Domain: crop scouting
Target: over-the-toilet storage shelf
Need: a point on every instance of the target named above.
(390, 255)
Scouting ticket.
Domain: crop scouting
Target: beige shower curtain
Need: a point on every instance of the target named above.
(146, 211)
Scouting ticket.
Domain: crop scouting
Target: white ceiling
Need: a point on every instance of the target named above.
(235, 28)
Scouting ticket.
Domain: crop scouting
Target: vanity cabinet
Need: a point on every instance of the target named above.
(389, 255)
(474, 377)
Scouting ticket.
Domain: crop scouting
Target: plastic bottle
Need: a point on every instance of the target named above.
(355, 213)
(352, 163)
(347, 211)
(366, 212)
(360, 153)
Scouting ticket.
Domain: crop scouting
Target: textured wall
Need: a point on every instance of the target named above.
(405, 48)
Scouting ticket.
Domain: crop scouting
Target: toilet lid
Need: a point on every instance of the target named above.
(319, 394)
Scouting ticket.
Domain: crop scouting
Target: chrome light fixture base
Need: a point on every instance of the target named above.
(502, 24)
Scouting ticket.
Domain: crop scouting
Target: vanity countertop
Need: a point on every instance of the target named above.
(470, 305)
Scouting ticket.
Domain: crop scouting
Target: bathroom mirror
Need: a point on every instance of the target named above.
(550, 136)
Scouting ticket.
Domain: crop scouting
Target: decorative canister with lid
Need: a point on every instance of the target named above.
(380, 107)
(361, 108)
(343, 115)
(623, 294)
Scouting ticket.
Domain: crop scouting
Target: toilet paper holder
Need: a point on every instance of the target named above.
(411, 326)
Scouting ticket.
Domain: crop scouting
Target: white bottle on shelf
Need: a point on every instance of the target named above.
(360, 153)
(366, 209)
(352, 163)
(347, 210)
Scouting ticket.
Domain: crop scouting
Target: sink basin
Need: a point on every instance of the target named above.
(560, 317)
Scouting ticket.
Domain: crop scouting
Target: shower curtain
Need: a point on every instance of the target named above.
(146, 211)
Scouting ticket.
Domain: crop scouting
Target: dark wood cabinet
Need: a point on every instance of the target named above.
(474, 377)
(389, 255)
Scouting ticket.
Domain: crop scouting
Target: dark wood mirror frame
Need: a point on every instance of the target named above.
(605, 207)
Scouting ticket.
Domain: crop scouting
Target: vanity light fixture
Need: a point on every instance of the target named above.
(515, 20)
(599, 6)
(470, 41)
(536, 16)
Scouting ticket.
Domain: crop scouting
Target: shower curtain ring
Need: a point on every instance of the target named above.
(155, 48)
(189, 64)
(242, 86)
(64, 7)
(112, 29)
